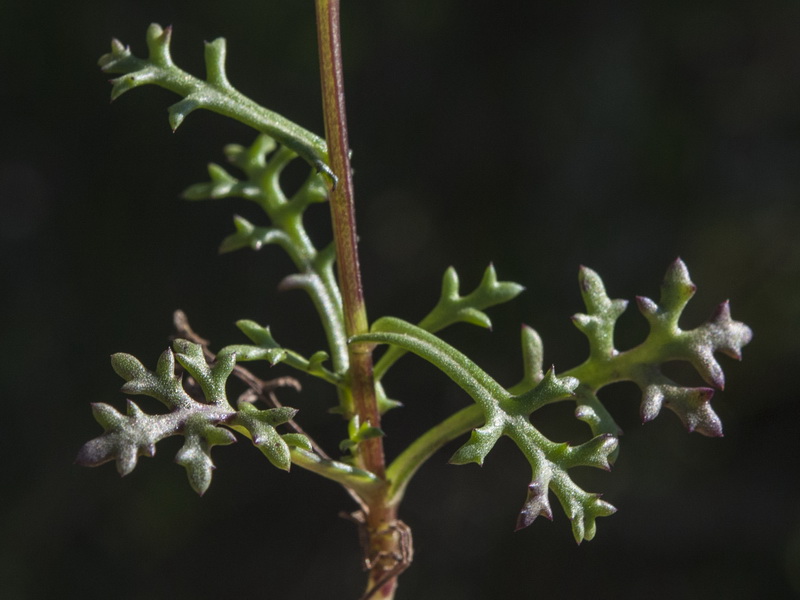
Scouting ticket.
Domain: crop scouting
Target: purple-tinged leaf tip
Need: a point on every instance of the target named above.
(536, 504)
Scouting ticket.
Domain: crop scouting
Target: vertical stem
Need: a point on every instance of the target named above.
(344, 229)
(381, 519)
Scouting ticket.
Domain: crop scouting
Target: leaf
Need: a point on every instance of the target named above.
(691, 404)
(358, 432)
(212, 377)
(297, 440)
(536, 504)
(507, 414)
(260, 425)
(263, 163)
(602, 314)
(696, 346)
(248, 235)
(452, 308)
(266, 348)
(215, 93)
(532, 361)
(163, 385)
(221, 185)
(127, 438)
(195, 454)
(665, 342)
(203, 423)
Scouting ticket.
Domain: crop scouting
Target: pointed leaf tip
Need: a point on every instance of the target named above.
(480, 443)
(180, 110)
(677, 288)
(536, 504)
(588, 279)
(677, 270)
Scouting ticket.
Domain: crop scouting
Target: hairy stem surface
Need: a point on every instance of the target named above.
(381, 519)
(344, 228)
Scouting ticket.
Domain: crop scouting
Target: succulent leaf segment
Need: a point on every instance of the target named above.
(191, 382)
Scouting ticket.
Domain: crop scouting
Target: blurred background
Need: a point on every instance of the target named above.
(535, 135)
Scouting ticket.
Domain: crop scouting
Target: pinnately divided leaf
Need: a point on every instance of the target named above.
(260, 425)
(215, 93)
(203, 423)
(507, 414)
(452, 308)
(265, 347)
(263, 163)
(665, 342)
(192, 386)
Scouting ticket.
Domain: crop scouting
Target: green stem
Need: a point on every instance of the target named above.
(319, 282)
(315, 267)
(363, 483)
(595, 373)
(403, 468)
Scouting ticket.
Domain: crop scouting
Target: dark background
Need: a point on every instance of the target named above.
(536, 135)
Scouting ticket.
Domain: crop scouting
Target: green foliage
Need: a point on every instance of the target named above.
(453, 308)
(507, 411)
(506, 414)
(191, 382)
(665, 342)
(358, 432)
(262, 164)
(215, 93)
(202, 421)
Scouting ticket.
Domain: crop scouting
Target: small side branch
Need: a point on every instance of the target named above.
(259, 389)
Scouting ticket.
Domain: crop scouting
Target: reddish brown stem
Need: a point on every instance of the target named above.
(387, 549)
(344, 230)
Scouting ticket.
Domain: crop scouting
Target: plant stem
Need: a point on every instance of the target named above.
(344, 229)
(381, 519)
(403, 468)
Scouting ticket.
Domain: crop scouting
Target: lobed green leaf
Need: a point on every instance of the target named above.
(215, 93)
(602, 314)
(665, 342)
(260, 426)
(203, 423)
(195, 454)
(508, 414)
(266, 348)
(163, 385)
(452, 308)
(212, 377)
